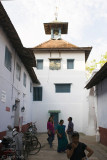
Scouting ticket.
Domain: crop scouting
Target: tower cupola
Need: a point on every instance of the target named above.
(56, 28)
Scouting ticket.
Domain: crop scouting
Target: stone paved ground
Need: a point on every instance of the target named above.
(100, 151)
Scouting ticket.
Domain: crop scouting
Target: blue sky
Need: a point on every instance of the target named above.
(87, 21)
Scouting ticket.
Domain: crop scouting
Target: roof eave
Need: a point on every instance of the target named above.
(99, 76)
(62, 25)
(32, 75)
(86, 49)
(11, 33)
(25, 54)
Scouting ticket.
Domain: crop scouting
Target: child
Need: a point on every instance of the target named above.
(75, 150)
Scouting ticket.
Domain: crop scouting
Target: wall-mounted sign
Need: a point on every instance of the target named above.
(8, 109)
(3, 96)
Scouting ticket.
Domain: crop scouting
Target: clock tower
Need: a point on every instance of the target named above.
(56, 28)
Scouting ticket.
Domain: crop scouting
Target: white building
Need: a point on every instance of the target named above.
(16, 77)
(99, 80)
(61, 72)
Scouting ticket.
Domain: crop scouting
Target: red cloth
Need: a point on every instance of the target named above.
(50, 127)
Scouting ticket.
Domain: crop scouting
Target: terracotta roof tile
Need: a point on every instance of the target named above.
(60, 45)
(56, 44)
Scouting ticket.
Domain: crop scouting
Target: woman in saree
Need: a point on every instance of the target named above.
(62, 138)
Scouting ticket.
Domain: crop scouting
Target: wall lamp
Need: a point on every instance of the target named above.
(23, 109)
(14, 107)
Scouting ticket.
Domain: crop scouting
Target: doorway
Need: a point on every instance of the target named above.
(55, 117)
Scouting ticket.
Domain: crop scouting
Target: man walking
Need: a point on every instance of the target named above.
(70, 129)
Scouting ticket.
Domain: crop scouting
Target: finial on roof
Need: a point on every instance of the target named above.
(56, 26)
(56, 14)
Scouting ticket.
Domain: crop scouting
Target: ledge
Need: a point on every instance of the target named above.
(54, 111)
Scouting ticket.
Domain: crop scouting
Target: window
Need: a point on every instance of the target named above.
(18, 71)
(8, 59)
(55, 64)
(30, 86)
(70, 63)
(62, 88)
(40, 64)
(37, 94)
(24, 79)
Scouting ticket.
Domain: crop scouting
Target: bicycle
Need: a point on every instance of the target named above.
(32, 145)
(32, 128)
(13, 148)
(7, 152)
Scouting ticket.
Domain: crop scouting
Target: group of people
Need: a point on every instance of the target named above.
(68, 140)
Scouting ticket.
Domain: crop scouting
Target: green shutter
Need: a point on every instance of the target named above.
(8, 58)
(40, 64)
(24, 79)
(62, 88)
(70, 63)
(37, 94)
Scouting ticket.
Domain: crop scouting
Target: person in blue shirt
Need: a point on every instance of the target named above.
(70, 129)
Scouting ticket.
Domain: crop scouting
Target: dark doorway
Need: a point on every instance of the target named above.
(55, 115)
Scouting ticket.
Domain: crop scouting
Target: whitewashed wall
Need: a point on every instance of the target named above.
(92, 117)
(102, 103)
(72, 104)
(11, 87)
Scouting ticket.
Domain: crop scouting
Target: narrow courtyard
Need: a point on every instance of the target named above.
(43, 75)
(47, 153)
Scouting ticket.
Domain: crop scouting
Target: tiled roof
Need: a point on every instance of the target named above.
(56, 44)
(98, 77)
(26, 55)
(61, 45)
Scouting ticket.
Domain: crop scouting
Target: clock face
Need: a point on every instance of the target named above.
(56, 31)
